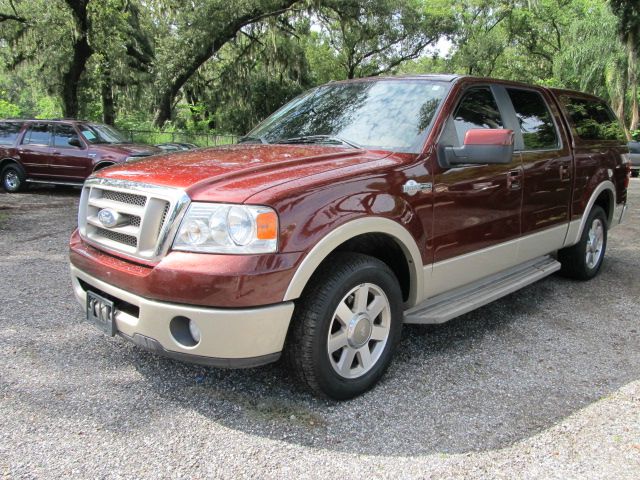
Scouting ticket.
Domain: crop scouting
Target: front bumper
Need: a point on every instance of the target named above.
(232, 338)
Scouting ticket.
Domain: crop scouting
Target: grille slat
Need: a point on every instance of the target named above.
(122, 197)
(123, 238)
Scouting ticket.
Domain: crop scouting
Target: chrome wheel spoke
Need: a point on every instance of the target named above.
(376, 307)
(364, 357)
(346, 360)
(343, 314)
(361, 298)
(379, 333)
(337, 341)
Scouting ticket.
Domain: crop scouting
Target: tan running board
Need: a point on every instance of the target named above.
(446, 306)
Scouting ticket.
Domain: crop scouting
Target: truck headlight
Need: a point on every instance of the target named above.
(223, 228)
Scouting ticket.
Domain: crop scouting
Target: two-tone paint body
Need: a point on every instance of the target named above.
(473, 222)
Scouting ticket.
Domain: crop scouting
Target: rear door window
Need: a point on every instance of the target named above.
(38, 134)
(536, 122)
(592, 119)
(64, 133)
(477, 109)
(9, 132)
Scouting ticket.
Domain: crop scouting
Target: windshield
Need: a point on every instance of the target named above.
(101, 134)
(386, 114)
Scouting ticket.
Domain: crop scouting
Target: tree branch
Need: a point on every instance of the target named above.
(5, 17)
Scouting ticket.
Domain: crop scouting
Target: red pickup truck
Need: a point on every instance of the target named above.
(356, 207)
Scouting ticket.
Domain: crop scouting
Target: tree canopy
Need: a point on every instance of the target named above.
(223, 65)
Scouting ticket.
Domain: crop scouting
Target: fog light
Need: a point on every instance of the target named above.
(194, 330)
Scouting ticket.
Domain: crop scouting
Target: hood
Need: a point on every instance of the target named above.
(234, 173)
(132, 149)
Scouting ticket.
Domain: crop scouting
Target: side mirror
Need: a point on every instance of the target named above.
(75, 142)
(481, 146)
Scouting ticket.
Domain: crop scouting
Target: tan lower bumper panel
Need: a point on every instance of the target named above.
(154, 346)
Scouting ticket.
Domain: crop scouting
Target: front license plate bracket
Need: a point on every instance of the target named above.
(101, 312)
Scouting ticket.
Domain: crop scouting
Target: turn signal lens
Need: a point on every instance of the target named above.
(267, 226)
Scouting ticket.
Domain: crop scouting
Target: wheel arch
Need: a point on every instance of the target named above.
(7, 160)
(352, 236)
(603, 195)
(103, 164)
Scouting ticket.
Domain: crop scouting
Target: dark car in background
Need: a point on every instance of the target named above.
(62, 152)
(176, 146)
(634, 156)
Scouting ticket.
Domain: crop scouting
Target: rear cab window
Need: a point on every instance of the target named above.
(9, 132)
(592, 120)
(536, 122)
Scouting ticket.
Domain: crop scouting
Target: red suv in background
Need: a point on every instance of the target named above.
(62, 152)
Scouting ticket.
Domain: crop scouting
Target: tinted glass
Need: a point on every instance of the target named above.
(477, 109)
(389, 114)
(592, 119)
(101, 134)
(62, 135)
(38, 134)
(536, 122)
(9, 132)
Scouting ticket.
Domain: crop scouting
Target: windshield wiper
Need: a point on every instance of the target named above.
(321, 139)
(250, 139)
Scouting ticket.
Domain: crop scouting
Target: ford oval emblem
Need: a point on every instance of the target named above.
(108, 217)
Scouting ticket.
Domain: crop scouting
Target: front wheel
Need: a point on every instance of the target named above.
(13, 178)
(346, 326)
(583, 260)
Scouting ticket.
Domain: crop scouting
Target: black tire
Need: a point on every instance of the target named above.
(635, 173)
(13, 178)
(307, 349)
(574, 259)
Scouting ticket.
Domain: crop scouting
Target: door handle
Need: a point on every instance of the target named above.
(514, 179)
(565, 174)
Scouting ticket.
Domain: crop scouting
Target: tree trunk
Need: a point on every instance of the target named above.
(82, 51)
(633, 81)
(203, 52)
(108, 108)
(71, 78)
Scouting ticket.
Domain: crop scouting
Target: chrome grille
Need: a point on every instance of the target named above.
(146, 217)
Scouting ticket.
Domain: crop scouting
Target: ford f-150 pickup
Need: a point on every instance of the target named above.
(356, 207)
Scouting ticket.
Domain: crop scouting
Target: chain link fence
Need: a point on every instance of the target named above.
(200, 139)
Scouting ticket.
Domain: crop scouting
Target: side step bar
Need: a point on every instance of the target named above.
(446, 306)
(55, 182)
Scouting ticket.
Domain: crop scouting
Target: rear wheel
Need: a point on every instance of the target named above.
(583, 260)
(346, 326)
(13, 178)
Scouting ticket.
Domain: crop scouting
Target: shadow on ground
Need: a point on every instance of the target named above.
(483, 381)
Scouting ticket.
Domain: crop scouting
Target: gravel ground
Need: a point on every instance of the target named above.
(544, 383)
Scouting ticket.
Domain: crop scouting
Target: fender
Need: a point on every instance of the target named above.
(576, 227)
(350, 230)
